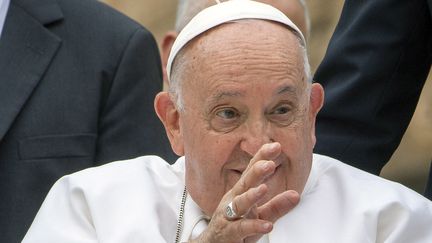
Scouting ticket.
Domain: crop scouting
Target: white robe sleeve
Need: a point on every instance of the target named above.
(64, 217)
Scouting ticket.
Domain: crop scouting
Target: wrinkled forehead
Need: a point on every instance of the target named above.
(223, 13)
(248, 43)
(244, 54)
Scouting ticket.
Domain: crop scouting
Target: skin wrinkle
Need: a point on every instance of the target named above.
(218, 98)
(256, 54)
(291, 91)
(231, 68)
(220, 95)
(186, 64)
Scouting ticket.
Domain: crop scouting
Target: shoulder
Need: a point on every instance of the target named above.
(368, 190)
(142, 173)
(350, 205)
(384, 206)
(113, 201)
(121, 183)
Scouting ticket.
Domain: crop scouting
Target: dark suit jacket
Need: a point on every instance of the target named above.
(373, 72)
(77, 85)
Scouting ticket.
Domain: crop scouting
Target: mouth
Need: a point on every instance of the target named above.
(239, 172)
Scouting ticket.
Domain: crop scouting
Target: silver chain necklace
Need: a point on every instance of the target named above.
(181, 216)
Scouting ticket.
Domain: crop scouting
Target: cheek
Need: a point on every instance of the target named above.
(296, 141)
(217, 149)
(192, 132)
(290, 137)
(206, 175)
(297, 153)
(210, 152)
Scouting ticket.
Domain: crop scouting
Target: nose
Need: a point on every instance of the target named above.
(256, 134)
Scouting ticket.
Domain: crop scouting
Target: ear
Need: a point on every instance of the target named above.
(315, 104)
(169, 115)
(167, 43)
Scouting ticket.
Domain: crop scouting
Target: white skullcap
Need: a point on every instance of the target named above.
(223, 13)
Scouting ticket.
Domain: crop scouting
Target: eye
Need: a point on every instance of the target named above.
(227, 113)
(282, 114)
(225, 119)
(281, 110)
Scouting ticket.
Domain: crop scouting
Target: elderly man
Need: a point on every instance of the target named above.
(241, 109)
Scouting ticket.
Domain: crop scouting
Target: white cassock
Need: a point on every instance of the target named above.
(138, 201)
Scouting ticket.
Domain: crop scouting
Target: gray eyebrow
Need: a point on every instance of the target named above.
(287, 89)
(215, 98)
(292, 90)
(218, 96)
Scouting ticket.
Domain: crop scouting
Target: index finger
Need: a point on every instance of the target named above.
(268, 151)
(278, 206)
(254, 175)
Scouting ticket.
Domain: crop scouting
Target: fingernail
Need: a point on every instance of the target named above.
(266, 165)
(272, 146)
(266, 226)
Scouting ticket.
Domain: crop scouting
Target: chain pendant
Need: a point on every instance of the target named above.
(181, 216)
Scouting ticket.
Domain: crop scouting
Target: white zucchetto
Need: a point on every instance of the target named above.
(221, 13)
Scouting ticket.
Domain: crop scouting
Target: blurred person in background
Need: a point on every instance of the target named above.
(241, 112)
(373, 73)
(77, 83)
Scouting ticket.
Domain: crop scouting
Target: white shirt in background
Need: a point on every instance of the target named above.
(4, 6)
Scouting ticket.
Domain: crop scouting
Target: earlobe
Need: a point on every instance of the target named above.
(169, 116)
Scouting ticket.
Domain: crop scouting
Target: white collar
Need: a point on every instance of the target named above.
(192, 217)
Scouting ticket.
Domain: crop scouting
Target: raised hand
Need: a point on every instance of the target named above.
(242, 216)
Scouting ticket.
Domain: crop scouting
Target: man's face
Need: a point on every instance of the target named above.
(243, 86)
